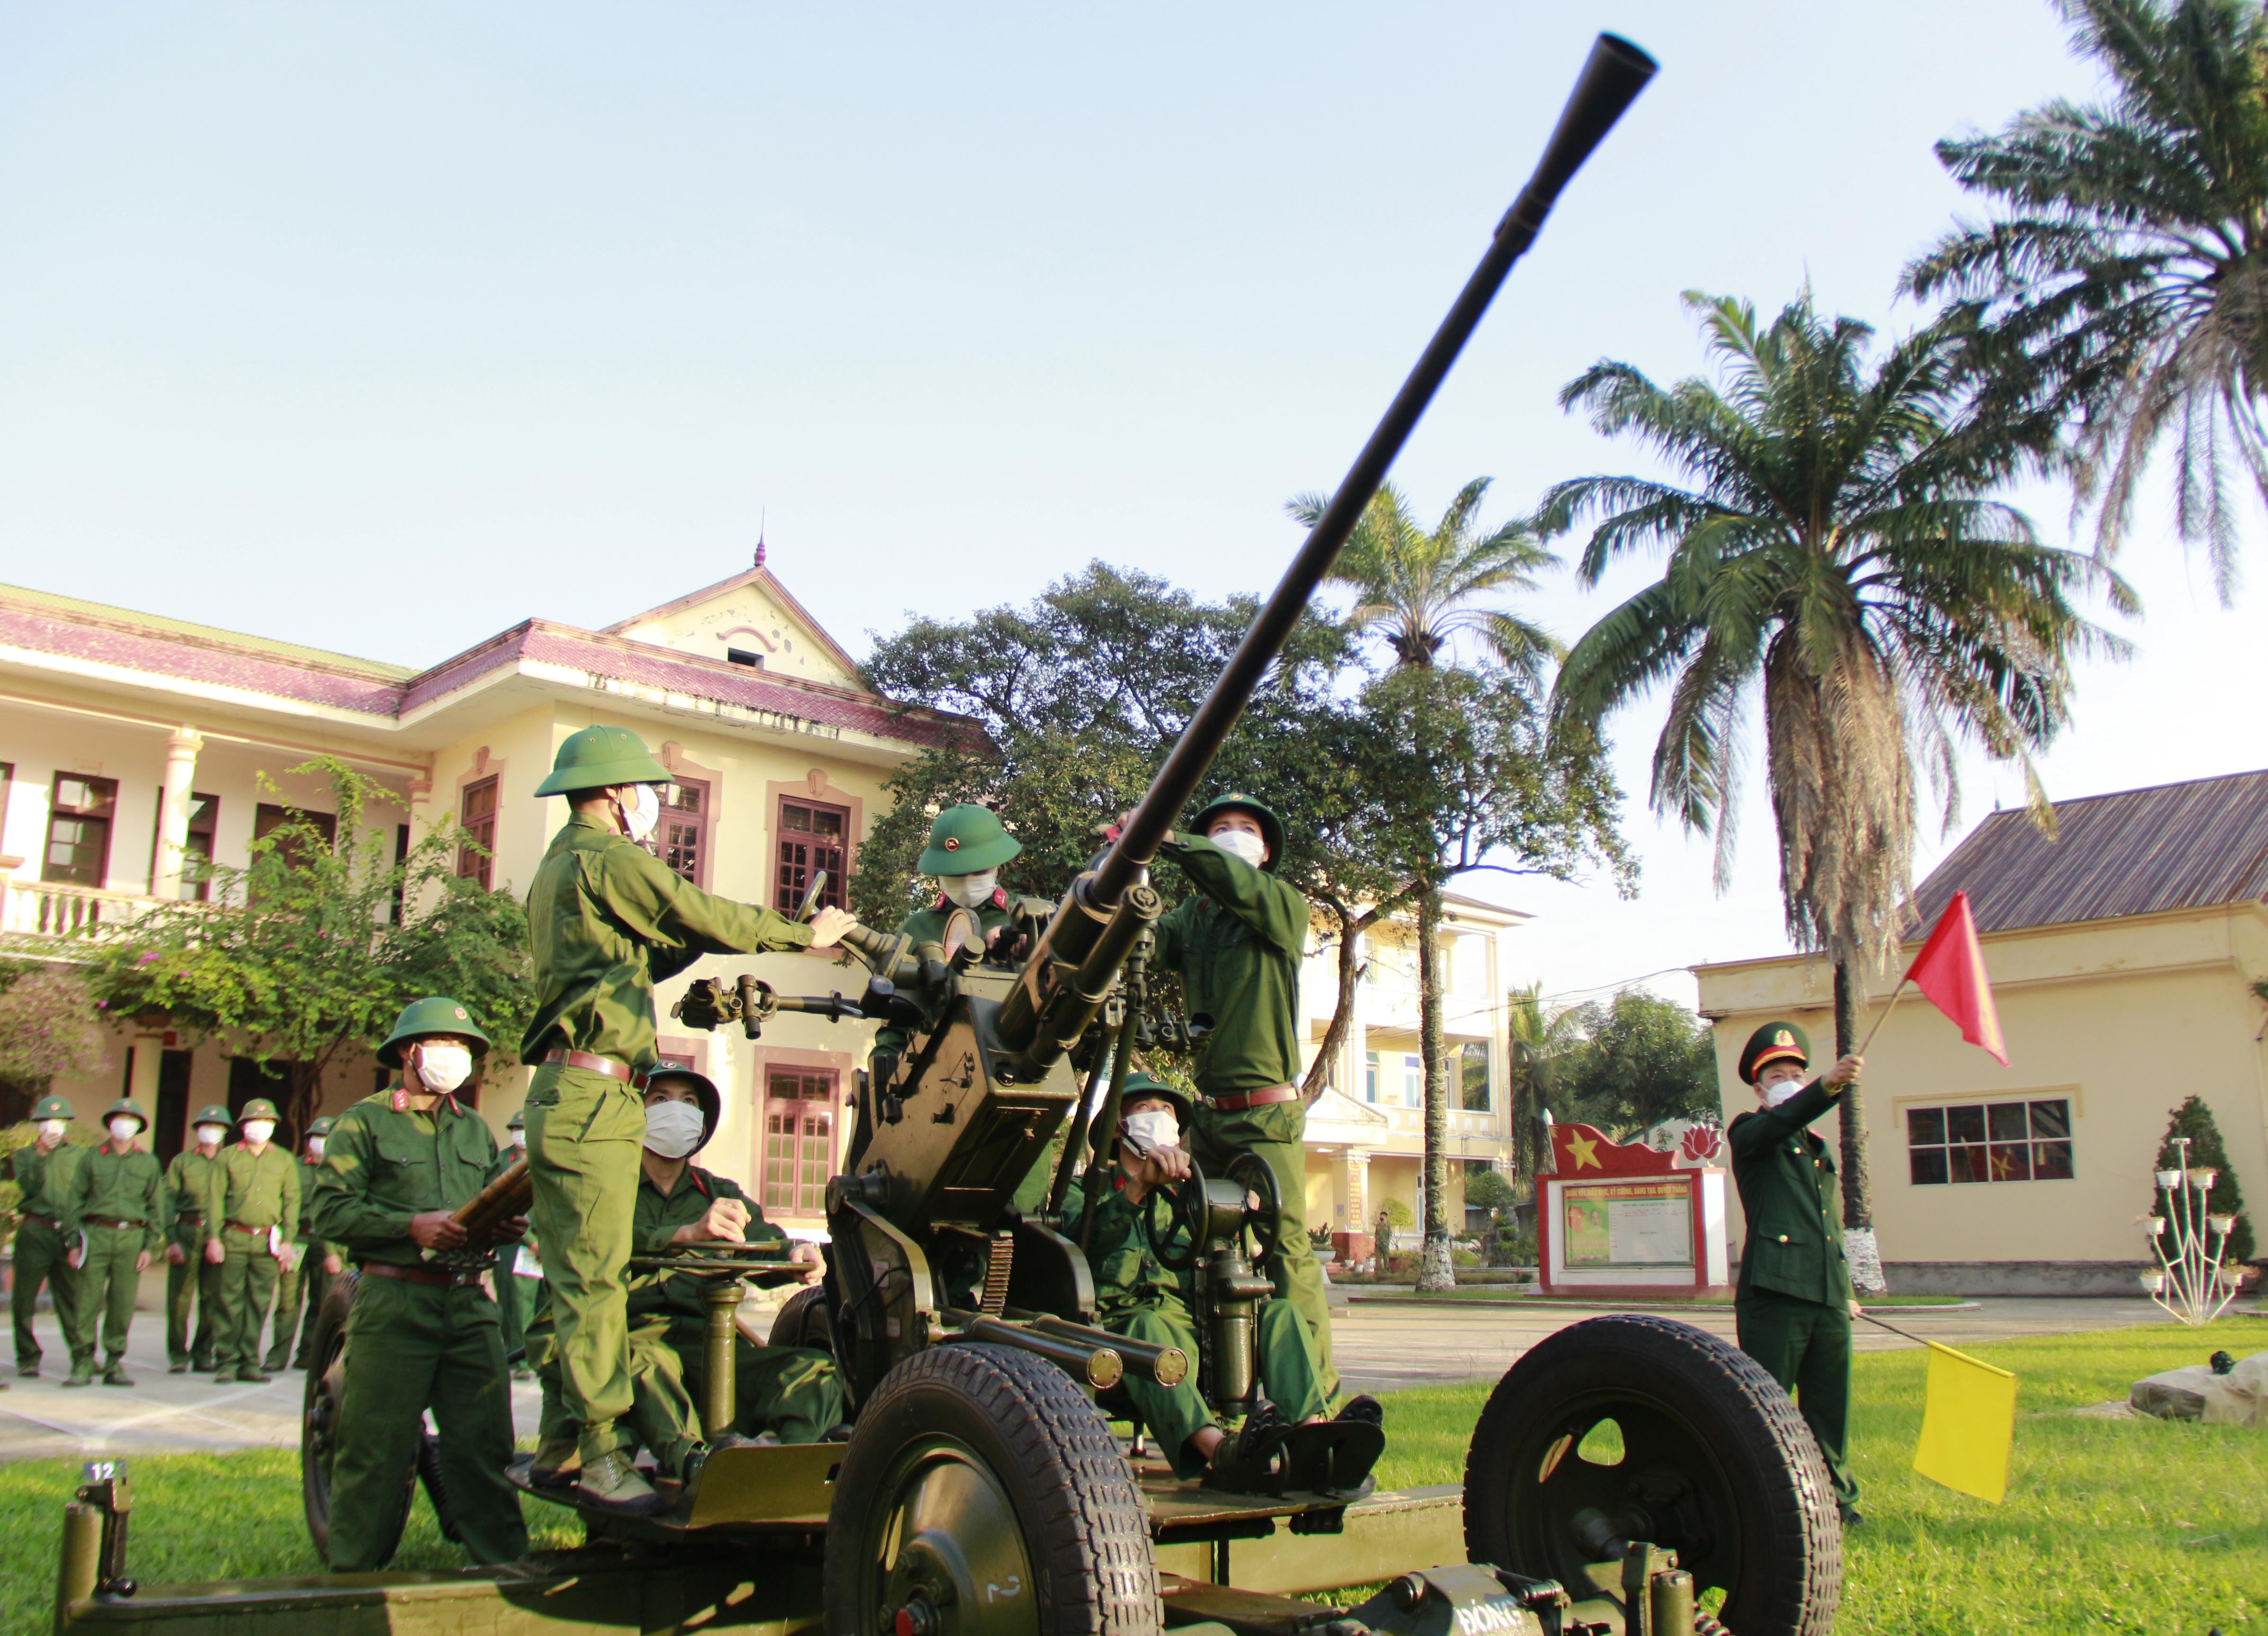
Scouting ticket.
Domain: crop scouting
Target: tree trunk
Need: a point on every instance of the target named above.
(1434, 1269)
(1858, 1190)
(1351, 930)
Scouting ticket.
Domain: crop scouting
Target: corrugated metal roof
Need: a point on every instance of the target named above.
(2134, 852)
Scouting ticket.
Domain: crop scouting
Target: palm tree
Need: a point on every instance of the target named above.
(2123, 282)
(1420, 590)
(1837, 554)
(1538, 1038)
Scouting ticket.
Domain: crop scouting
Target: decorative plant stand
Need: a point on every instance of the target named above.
(2190, 1241)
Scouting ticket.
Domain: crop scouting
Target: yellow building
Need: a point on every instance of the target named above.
(2124, 956)
(129, 740)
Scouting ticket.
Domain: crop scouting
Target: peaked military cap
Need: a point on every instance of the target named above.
(125, 1105)
(54, 1108)
(259, 1108)
(1775, 1041)
(598, 757)
(436, 1013)
(1271, 827)
(704, 1092)
(213, 1113)
(966, 840)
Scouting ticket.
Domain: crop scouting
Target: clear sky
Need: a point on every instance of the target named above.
(383, 327)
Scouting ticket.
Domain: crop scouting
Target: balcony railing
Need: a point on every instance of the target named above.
(54, 909)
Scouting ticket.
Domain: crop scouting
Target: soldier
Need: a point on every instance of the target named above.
(1238, 941)
(252, 1206)
(1794, 1305)
(783, 1393)
(421, 1334)
(516, 1292)
(1138, 1296)
(607, 919)
(311, 1268)
(118, 1215)
(45, 1174)
(190, 1277)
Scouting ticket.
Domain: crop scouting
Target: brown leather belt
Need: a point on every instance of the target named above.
(239, 1226)
(607, 1066)
(417, 1275)
(105, 1221)
(44, 1221)
(1238, 1101)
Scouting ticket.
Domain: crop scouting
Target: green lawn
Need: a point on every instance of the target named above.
(2142, 1527)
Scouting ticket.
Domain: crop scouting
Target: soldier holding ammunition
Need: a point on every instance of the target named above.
(45, 1173)
(251, 1206)
(312, 1266)
(783, 1393)
(1237, 941)
(422, 1333)
(118, 1216)
(190, 1279)
(607, 919)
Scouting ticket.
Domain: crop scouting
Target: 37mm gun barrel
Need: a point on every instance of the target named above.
(1614, 73)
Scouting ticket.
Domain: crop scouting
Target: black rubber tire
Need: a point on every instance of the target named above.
(805, 1320)
(319, 1417)
(1717, 1460)
(992, 1414)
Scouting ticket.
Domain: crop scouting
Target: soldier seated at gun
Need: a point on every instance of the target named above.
(1139, 1296)
(785, 1394)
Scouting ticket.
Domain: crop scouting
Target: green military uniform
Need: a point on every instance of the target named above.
(44, 1181)
(191, 1280)
(118, 1209)
(305, 1274)
(247, 1197)
(1238, 941)
(607, 920)
(419, 1335)
(515, 1295)
(1794, 1302)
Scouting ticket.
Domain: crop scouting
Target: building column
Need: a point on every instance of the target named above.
(1358, 1191)
(181, 747)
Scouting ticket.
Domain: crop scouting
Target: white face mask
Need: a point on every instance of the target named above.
(1776, 1094)
(53, 1129)
(642, 814)
(314, 1148)
(258, 1131)
(1154, 1128)
(443, 1067)
(520, 1138)
(211, 1135)
(970, 891)
(673, 1129)
(124, 1129)
(1241, 844)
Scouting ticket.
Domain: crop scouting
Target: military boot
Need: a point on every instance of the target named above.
(558, 1457)
(253, 1373)
(611, 1482)
(82, 1372)
(116, 1374)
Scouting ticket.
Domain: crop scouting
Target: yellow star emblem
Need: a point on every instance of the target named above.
(1585, 1152)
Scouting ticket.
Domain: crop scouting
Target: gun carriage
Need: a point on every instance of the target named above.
(982, 1491)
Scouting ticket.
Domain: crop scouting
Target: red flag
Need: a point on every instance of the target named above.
(1950, 972)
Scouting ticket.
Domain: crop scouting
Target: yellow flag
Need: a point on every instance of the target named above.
(1969, 1425)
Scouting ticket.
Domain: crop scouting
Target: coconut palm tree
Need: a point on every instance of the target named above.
(1837, 555)
(2124, 278)
(1538, 1038)
(1419, 590)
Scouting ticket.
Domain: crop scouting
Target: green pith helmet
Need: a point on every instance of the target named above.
(1271, 827)
(322, 1127)
(259, 1108)
(967, 841)
(1140, 1084)
(213, 1113)
(1775, 1041)
(53, 1108)
(704, 1092)
(598, 757)
(518, 1120)
(436, 1013)
(125, 1105)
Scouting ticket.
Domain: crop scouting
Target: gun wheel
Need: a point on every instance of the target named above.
(1714, 1462)
(319, 1420)
(984, 1495)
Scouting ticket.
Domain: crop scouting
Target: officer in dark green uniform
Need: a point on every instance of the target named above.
(1237, 941)
(422, 1333)
(1794, 1304)
(515, 1293)
(45, 1174)
(607, 919)
(1138, 1296)
(310, 1268)
(118, 1216)
(783, 1393)
(252, 1199)
(190, 1279)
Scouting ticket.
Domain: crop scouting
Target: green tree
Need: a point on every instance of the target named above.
(1639, 1059)
(1539, 1040)
(1419, 590)
(305, 955)
(49, 1028)
(2207, 1152)
(2124, 278)
(1837, 553)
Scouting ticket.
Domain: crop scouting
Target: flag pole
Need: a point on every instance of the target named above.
(1884, 1018)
